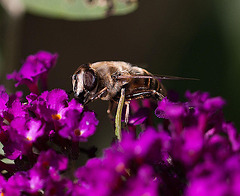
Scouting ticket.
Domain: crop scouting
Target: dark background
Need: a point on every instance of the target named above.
(186, 38)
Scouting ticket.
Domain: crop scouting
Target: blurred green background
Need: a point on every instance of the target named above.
(188, 38)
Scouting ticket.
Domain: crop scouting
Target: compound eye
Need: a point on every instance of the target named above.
(89, 80)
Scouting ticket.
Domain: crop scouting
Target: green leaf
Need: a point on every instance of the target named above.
(80, 9)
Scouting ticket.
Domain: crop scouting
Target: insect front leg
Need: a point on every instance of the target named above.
(97, 95)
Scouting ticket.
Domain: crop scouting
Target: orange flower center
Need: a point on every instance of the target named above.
(56, 116)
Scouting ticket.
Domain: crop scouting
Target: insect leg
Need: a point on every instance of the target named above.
(118, 118)
(97, 95)
(127, 103)
(145, 94)
(157, 95)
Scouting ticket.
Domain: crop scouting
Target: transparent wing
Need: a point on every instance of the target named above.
(161, 77)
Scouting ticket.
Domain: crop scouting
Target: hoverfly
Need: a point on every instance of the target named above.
(116, 81)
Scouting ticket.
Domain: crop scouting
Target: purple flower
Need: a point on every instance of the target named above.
(44, 177)
(204, 102)
(194, 125)
(49, 105)
(215, 178)
(68, 117)
(233, 135)
(187, 147)
(30, 128)
(15, 109)
(141, 113)
(30, 124)
(10, 108)
(152, 146)
(21, 133)
(139, 117)
(49, 163)
(78, 126)
(89, 175)
(201, 143)
(60, 187)
(52, 105)
(127, 167)
(172, 111)
(144, 183)
(35, 67)
(16, 184)
(36, 183)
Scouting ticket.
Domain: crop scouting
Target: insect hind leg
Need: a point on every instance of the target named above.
(146, 94)
(157, 95)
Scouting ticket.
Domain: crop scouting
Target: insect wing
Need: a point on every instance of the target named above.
(156, 77)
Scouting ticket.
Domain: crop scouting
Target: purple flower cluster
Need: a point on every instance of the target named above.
(43, 177)
(36, 131)
(194, 151)
(47, 116)
(204, 147)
